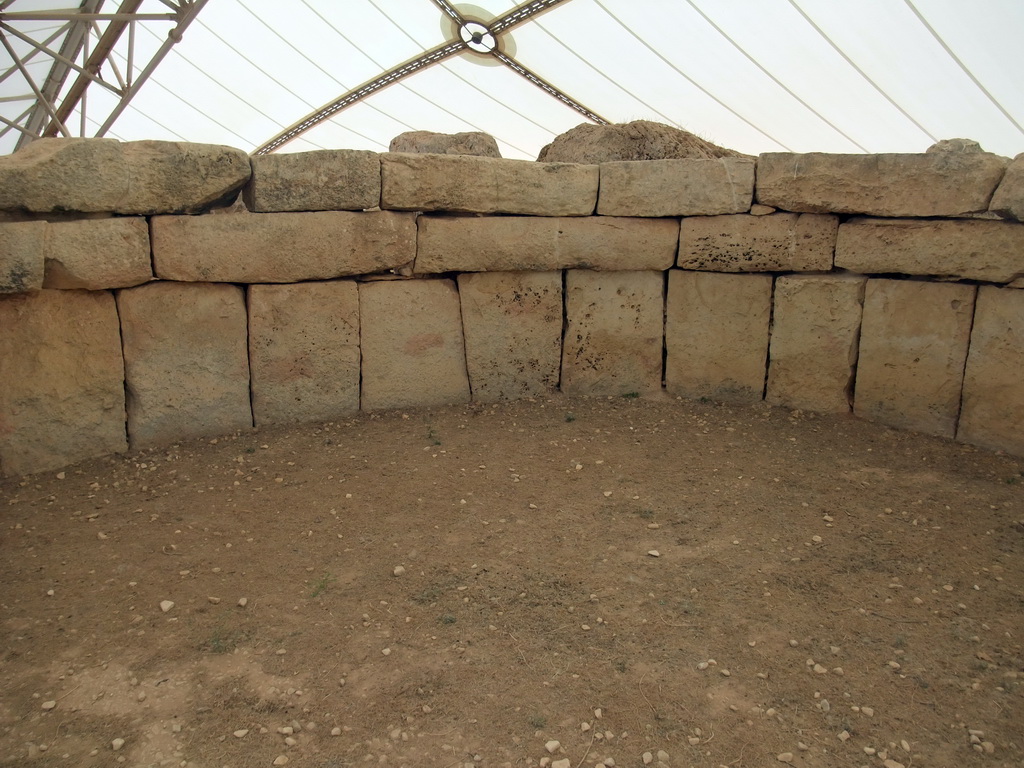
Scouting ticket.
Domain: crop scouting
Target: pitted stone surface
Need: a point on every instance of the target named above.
(689, 187)
(322, 180)
(636, 140)
(1008, 200)
(304, 351)
(21, 256)
(779, 242)
(913, 346)
(513, 328)
(94, 254)
(716, 335)
(429, 142)
(62, 391)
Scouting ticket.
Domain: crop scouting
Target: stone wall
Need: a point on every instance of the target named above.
(140, 306)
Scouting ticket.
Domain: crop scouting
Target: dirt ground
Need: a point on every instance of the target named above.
(557, 582)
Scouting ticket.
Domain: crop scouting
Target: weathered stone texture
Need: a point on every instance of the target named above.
(525, 243)
(62, 390)
(412, 344)
(913, 345)
(676, 187)
(21, 256)
(780, 242)
(613, 340)
(281, 247)
(463, 183)
(428, 142)
(1008, 199)
(304, 351)
(813, 347)
(637, 140)
(716, 335)
(94, 254)
(513, 327)
(186, 362)
(935, 184)
(993, 398)
(967, 249)
(138, 177)
(323, 180)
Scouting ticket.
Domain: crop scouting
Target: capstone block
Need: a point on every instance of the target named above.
(323, 180)
(687, 187)
(96, 254)
(779, 242)
(21, 256)
(1008, 199)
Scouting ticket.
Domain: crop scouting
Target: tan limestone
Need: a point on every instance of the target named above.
(1008, 199)
(636, 140)
(186, 363)
(689, 187)
(304, 351)
(429, 142)
(513, 327)
(94, 254)
(780, 242)
(913, 345)
(323, 180)
(62, 390)
(813, 346)
(716, 335)
(412, 344)
(21, 256)
(613, 339)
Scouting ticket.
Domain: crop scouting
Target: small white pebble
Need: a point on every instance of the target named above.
(386, 651)
(552, 746)
(166, 605)
(48, 705)
(399, 571)
(116, 744)
(243, 601)
(654, 553)
(240, 733)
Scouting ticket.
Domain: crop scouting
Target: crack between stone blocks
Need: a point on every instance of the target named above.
(967, 357)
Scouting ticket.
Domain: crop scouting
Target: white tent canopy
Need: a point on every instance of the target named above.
(752, 75)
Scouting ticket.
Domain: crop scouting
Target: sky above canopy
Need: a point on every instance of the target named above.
(752, 75)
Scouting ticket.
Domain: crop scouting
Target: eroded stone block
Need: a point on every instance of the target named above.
(688, 187)
(323, 180)
(1008, 199)
(21, 256)
(95, 254)
(780, 242)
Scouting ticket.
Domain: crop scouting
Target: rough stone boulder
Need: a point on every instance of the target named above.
(428, 142)
(1008, 200)
(638, 140)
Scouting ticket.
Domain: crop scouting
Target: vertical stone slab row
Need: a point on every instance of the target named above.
(813, 347)
(992, 415)
(513, 326)
(304, 351)
(61, 380)
(614, 336)
(716, 335)
(186, 361)
(412, 344)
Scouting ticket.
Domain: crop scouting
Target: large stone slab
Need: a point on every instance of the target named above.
(913, 344)
(778, 242)
(929, 184)
(513, 328)
(967, 249)
(94, 254)
(323, 180)
(522, 243)
(993, 398)
(281, 247)
(62, 391)
(614, 333)
(429, 142)
(636, 140)
(1008, 199)
(813, 349)
(412, 344)
(304, 351)
(690, 187)
(21, 256)
(716, 335)
(467, 184)
(186, 362)
(105, 175)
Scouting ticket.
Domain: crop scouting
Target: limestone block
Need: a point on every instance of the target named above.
(21, 256)
(523, 243)
(62, 391)
(636, 140)
(613, 339)
(927, 184)
(716, 335)
(412, 344)
(138, 177)
(1008, 199)
(324, 180)
(813, 347)
(513, 327)
(690, 187)
(281, 247)
(913, 345)
(186, 363)
(467, 143)
(304, 351)
(464, 183)
(993, 400)
(780, 242)
(966, 249)
(94, 254)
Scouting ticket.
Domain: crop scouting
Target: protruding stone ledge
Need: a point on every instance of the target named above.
(527, 243)
(21, 256)
(324, 180)
(965, 249)
(281, 247)
(470, 184)
(1008, 200)
(930, 184)
(685, 187)
(95, 254)
(778, 242)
